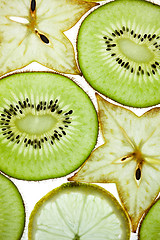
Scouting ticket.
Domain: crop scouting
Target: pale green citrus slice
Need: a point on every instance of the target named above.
(150, 226)
(77, 211)
(12, 213)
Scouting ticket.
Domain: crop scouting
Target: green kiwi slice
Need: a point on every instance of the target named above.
(77, 211)
(48, 126)
(150, 226)
(12, 213)
(119, 51)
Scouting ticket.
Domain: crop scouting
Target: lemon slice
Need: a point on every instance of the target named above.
(12, 214)
(77, 211)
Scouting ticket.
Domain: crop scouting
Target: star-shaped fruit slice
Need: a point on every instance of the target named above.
(130, 157)
(33, 30)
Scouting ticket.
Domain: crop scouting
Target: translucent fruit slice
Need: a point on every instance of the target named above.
(33, 30)
(150, 226)
(48, 126)
(78, 212)
(119, 51)
(129, 157)
(12, 213)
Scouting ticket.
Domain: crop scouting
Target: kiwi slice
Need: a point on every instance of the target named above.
(34, 31)
(48, 126)
(150, 226)
(12, 213)
(77, 211)
(119, 51)
(129, 157)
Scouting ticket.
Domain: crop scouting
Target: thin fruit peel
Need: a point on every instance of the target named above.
(130, 157)
(34, 31)
(77, 211)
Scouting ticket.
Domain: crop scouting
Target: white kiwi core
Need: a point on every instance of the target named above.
(136, 52)
(36, 124)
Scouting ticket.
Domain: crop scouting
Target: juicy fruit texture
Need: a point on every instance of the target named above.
(78, 212)
(48, 126)
(119, 51)
(130, 157)
(150, 226)
(12, 214)
(34, 31)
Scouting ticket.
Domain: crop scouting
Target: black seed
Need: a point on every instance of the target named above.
(66, 126)
(17, 106)
(145, 35)
(107, 41)
(4, 129)
(149, 35)
(17, 136)
(4, 133)
(27, 100)
(139, 35)
(153, 65)
(41, 107)
(127, 29)
(132, 70)
(56, 136)
(132, 32)
(54, 105)
(138, 174)
(45, 139)
(3, 119)
(120, 61)
(113, 45)
(121, 32)
(18, 141)
(42, 140)
(51, 142)
(138, 73)
(24, 103)
(61, 128)
(56, 100)
(113, 54)
(6, 124)
(156, 46)
(7, 112)
(70, 112)
(29, 141)
(55, 131)
(158, 37)
(123, 28)
(53, 137)
(117, 33)
(153, 72)
(142, 71)
(52, 109)
(148, 73)
(154, 35)
(59, 112)
(142, 39)
(66, 122)
(9, 132)
(157, 63)
(135, 35)
(108, 49)
(113, 34)
(122, 64)
(64, 133)
(25, 140)
(117, 59)
(3, 115)
(20, 104)
(67, 118)
(110, 39)
(155, 43)
(44, 108)
(59, 135)
(7, 120)
(39, 146)
(29, 104)
(35, 146)
(44, 38)
(9, 117)
(33, 5)
(38, 107)
(20, 111)
(150, 39)
(139, 68)
(15, 109)
(126, 64)
(105, 37)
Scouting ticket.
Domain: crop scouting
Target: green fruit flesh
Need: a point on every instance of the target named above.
(150, 227)
(78, 212)
(119, 51)
(48, 126)
(12, 214)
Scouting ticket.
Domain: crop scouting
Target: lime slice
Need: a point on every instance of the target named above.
(12, 214)
(77, 211)
(150, 226)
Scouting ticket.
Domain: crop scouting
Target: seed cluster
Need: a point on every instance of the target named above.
(111, 44)
(18, 109)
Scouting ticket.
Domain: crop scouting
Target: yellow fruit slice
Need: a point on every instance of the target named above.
(76, 211)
